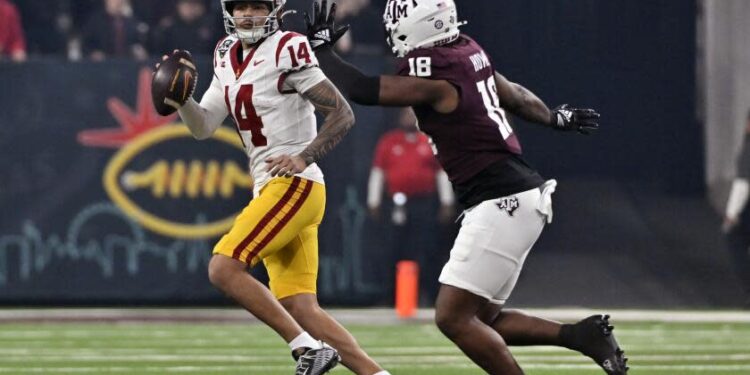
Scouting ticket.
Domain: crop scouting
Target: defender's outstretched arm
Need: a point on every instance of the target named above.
(522, 102)
(386, 90)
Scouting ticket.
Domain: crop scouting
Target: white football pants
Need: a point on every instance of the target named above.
(495, 238)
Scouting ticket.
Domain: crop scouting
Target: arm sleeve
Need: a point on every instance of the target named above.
(737, 198)
(444, 189)
(375, 187)
(203, 119)
(354, 84)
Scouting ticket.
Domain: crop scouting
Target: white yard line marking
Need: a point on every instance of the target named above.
(350, 316)
(406, 359)
(199, 369)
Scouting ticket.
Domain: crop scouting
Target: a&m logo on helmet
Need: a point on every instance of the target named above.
(396, 10)
(412, 24)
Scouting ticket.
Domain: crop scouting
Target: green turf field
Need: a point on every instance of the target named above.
(156, 348)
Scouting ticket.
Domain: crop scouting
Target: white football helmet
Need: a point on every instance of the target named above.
(269, 25)
(412, 24)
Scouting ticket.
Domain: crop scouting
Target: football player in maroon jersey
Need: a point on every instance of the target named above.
(461, 103)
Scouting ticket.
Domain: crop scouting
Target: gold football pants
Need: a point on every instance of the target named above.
(280, 227)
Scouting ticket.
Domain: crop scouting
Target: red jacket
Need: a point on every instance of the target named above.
(408, 163)
(11, 32)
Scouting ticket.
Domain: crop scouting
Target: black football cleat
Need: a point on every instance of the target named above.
(316, 361)
(594, 338)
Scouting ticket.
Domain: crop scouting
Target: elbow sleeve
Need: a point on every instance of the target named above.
(357, 86)
(365, 91)
(195, 118)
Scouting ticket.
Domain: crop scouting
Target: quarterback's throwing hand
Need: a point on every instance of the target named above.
(321, 26)
(582, 120)
(173, 82)
(285, 165)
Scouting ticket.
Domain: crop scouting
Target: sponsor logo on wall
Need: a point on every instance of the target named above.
(160, 175)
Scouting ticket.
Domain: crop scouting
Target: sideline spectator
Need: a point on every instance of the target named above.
(737, 217)
(12, 40)
(295, 20)
(405, 165)
(365, 34)
(82, 11)
(114, 32)
(153, 11)
(365, 22)
(49, 25)
(188, 28)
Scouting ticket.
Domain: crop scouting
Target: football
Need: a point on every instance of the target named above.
(173, 82)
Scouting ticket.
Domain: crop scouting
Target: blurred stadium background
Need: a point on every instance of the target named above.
(87, 222)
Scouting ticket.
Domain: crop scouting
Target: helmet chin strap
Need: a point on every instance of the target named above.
(251, 36)
(255, 34)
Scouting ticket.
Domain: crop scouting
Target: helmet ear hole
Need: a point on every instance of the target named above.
(402, 38)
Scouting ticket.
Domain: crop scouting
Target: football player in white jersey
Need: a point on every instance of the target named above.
(269, 82)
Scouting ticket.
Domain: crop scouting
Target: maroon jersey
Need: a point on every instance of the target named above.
(477, 134)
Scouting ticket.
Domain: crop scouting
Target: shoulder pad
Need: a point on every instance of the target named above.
(293, 52)
(424, 63)
(222, 48)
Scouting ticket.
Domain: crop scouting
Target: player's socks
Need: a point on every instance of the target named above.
(382, 373)
(304, 340)
(593, 337)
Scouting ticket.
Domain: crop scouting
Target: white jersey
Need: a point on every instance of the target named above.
(271, 117)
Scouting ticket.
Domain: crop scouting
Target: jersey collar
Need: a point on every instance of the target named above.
(236, 56)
